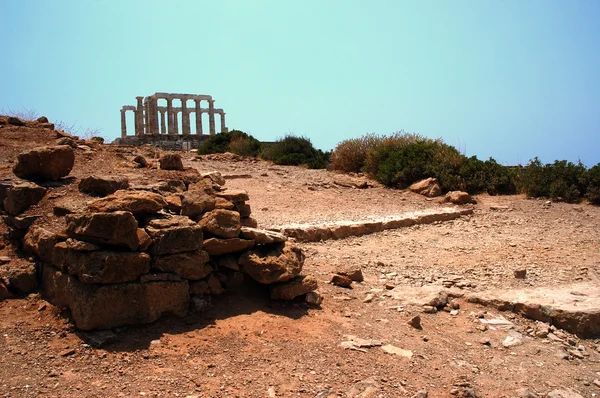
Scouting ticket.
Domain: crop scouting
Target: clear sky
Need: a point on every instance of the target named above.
(510, 79)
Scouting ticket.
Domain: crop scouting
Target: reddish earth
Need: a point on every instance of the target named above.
(249, 346)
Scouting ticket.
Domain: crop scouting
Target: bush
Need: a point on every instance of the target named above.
(592, 182)
(561, 180)
(234, 141)
(292, 150)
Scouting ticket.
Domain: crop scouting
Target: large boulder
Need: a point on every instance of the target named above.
(295, 287)
(171, 161)
(459, 198)
(40, 241)
(427, 187)
(234, 195)
(118, 228)
(45, 163)
(189, 265)
(95, 306)
(137, 202)
(22, 196)
(216, 246)
(262, 237)
(174, 235)
(195, 203)
(221, 223)
(19, 277)
(100, 266)
(278, 262)
(103, 185)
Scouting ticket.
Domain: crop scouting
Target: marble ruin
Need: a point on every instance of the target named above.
(147, 112)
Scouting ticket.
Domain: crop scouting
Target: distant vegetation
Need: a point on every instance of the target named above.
(401, 159)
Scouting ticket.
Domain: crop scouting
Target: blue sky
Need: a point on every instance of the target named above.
(509, 79)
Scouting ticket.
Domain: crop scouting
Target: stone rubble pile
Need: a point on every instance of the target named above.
(135, 254)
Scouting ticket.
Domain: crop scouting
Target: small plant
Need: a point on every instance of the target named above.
(23, 114)
(561, 180)
(235, 141)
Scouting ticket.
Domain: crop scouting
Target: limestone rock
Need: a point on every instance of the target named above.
(45, 163)
(229, 261)
(459, 198)
(221, 223)
(195, 203)
(249, 222)
(101, 266)
(313, 298)
(174, 235)
(4, 292)
(118, 228)
(40, 241)
(427, 187)
(22, 196)
(42, 119)
(189, 265)
(243, 208)
(214, 285)
(103, 185)
(171, 161)
(81, 246)
(19, 277)
(215, 246)
(262, 237)
(174, 203)
(293, 288)
(222, 203)
(234, 195)
(341, 280)
(95, 306)
(278, 262)
(415, 322)
(564, 393)
(140, 161)
(350, 182)
(15, 121)
(137, 202)
(215, 177)
(352, 272)
(145, 241)
(199, 287)
(171, 186)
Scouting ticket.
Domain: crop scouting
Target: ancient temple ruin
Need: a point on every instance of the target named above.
(156, 119)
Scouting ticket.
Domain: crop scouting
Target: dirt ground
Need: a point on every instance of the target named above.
(249, 346)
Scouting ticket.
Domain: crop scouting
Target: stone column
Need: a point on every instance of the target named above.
(223, 128)
(146, 116)
(211, 116)
(123, 124)
(185, 118)
(154, 118)
(163, 128)
(198, 117)
(170, 118)
(139, 117)
(175, 122)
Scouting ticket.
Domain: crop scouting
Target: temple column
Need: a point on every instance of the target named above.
(163, 129)
(153, 117)
(198, 118)
(185, 118)
(223, 128)
(211, 116)
(139, 117)
(175, 122)
(146, 116)
(170, 118)
(123, 124)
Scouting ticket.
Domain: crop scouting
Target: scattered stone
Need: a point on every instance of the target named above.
(369, 298)
(195, 203)
(140, 161)
(485, 341)
(314, 298)
(341, 280)
(356, 343)
(117, 229)
(513, 339)
(415, 322)
(136, 202)
(67, 352)
(100, 338)
(420, 394)
(350, 182)
(390, 349)
(103, 185)
(564, 393)
(221, 223)
(22, 196)
(427, 187)
(216, 246)
(221, 203)
(174, 235)
(189, 265)
(262, 237)
(429, 309)
(4, 260)
(215, 177)
(520, 273)
(15, 121)
(234, 195)
(597, 383)
(171, 161)
(45, 163)
(459, 198)
(214, 285)
(352, 272)
(277, 262)
(498, 322)
(174, 203)
(40, 242)
(295, 287)
(19, 277)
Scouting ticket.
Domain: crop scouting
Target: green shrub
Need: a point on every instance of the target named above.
(234, 141)
(592, 181)
(561, 180)
(292, 150)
